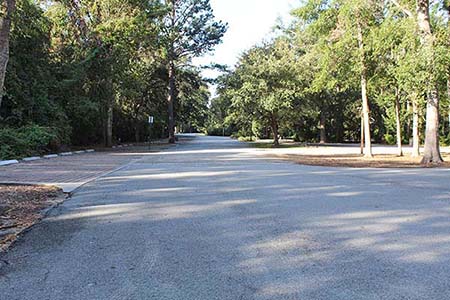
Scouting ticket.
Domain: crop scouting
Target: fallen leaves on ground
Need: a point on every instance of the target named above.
(358, 161)
(21, 206)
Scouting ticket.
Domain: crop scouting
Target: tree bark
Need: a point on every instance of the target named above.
(432, 152)
(398, 124)
(415, 131)
(276, 140)
(448, 68)
(8, 9)
(137, 133)
(362, 134)
(171, 101)
(109, 124)
(448, 97)
(172, 80)
(323, 132)
(408, 124)
(365, 100)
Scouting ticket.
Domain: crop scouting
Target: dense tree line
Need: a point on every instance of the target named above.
(345, 71)
(91, 72)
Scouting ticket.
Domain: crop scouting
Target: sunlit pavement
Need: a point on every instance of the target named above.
(211, 219)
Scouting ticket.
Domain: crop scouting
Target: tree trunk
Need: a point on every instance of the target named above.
(109, 124)
(276, 140)
(448, 68)
(365, 100)
(448, 97)
(408, 124)
(8, 8)
(172, 79)
(415, 131)
(171, 101)
(323, 132)
(398, 124)
(362, 134)
(137, 133)
(432, 152)
(339, 126)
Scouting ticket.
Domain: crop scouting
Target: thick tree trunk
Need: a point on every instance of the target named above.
(432, 150)
(276, 140)
(171, 101)
(7, 9)
(323, 132)
(398, 124)
(365, 100)
(415, 131)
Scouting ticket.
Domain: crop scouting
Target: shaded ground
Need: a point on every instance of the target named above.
(21, 207)
(214, 219)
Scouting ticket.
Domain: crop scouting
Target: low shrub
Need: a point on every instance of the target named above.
(390, 139)
(27, 141)
(247, 138)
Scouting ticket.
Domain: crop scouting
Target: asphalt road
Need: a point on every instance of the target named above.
(209, 219)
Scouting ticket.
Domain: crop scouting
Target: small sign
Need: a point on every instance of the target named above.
(150, 120)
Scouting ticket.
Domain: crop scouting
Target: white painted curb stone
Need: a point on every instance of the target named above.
(31, 158)
(51, 156)
(8, 162)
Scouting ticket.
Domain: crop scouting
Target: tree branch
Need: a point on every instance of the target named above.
(402, 8)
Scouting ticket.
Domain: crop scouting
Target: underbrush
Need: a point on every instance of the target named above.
(28, 141)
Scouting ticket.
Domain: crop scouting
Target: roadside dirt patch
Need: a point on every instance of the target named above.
(358, 161)
(21, 206)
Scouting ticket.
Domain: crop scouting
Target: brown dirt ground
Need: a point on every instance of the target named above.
(21, 206)
(357, 161)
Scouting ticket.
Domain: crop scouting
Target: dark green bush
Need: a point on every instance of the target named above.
(216, 130)
(28, 140)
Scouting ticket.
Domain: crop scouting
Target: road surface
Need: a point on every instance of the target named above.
(210, 219)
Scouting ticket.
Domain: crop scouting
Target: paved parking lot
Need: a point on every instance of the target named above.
(68, 172)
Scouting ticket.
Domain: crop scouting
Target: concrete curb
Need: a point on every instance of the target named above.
(8, 162)
(48, 156)
(31, 158)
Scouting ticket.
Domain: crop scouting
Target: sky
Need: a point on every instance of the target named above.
(249, 21)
